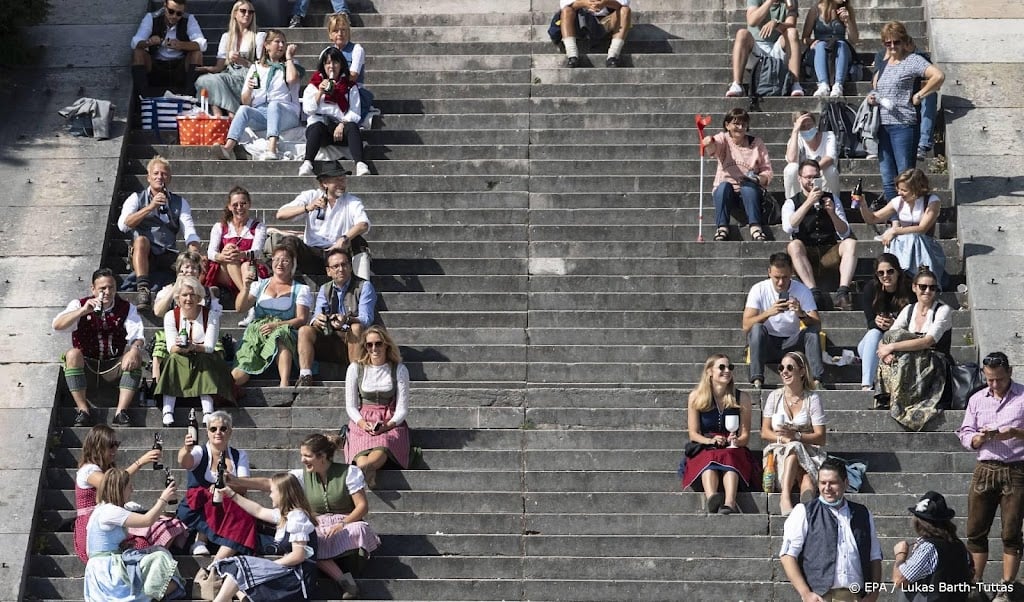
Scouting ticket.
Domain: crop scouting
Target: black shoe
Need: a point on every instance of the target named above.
(83, 418)
(821, 299)
(572, 62)
(715, 502)
(306, 380)
(122, 419)
(144, 298)
(612, 61)
(843, 302)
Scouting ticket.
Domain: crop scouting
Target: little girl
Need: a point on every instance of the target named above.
(291, 576)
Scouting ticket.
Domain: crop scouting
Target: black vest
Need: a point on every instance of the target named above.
(163, 236)
(160, 28)
(816, 229)
(818, 556)
(953, 568)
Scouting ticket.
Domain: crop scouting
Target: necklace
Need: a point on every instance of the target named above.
(793, 402)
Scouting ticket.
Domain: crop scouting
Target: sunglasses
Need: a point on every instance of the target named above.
(220, 429)
(995, 360)
(928, 287)
(891, 43)
(176, 13)
(724, 367)
(375, 344)
(787, 368)
(888, 272)
(246, 11)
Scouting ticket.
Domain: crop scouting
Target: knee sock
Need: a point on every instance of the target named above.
(131, 380)
(169, 402)
(142, 282)
(570, 46)
(207, 403)
(140, 79)
(305, 372)
(75, 377)
(616, 47)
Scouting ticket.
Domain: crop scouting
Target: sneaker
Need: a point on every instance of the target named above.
(797, 90)
(199, 549)
(837, 90)
(349, 587)
(822, 90)
(269, 156)
(922, 153)
(843, 302)
(612, 61)
(306, 380)
(249, 317)
(168, 419)
(227, 155)
(122, 419)
(144, 298)
(83, 418)
(306, 169)
(296, 21)
(362, 169)
(572, 62)
(735, 89)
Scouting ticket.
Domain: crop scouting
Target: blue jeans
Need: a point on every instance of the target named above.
(726, 198)
(767, 348)
(897, 152)
(301, 6)
(842, 61)
(929, 106)
(273, 117)
(867, 349)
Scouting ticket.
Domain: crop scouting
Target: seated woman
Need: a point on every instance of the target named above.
(189, 263)
(270, 98)
(914, 213)
(236, 244)
(913, 355)
(833, 27)
(723, 456)
(744, 168)
(290, 577)
(793, 429)
(226, 525)
(376, 401)
(193, 368)
(337, 494)
(937, 548)
(331, 102)
(282, 306)
(110, 574)
(238, 50)
(339, 32)
(883, 298)
(806, 141)
(99, 454)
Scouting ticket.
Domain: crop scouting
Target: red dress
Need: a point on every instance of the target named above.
(243, 244)
(734, 459)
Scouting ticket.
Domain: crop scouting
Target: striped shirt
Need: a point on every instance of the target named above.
(984, 410)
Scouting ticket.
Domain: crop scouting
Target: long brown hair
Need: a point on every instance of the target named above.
(94, 449)
(292, 496)
(237, 190)
(394, 357)
(703, 395)
(112, 487)
(944, 530)
(323, 445)
(902, 296)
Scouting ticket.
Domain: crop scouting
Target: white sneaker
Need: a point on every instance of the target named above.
(734, 90)
(837, 90)
(306, 169)
(269, 156)
(362, 169)
(822, 90)
(248, 318)
(199, 549)
(797, 90)
(168, 419)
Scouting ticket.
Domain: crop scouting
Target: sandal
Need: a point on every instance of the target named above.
(722, 233)
(757, 233)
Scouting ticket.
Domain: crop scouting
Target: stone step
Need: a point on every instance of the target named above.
(185, 184)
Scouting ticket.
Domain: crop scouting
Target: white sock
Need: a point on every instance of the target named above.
(207, 402)
(305, 372)
(169, 404)
(616, 47)
(570, 47)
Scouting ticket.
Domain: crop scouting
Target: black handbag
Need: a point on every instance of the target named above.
(962, 381)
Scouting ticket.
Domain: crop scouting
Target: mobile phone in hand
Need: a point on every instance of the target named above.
(784, 296)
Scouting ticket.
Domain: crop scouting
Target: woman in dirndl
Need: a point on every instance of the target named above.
(236, 244)
(193, 367)
(337, 494)
(99, 454)
(376, 401)
(132, 575)
(239, 48)
(793, 429)
(289, 578)
(226, 524)
(281, 307)
(723, 460)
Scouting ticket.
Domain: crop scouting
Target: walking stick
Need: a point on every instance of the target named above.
(701, 121)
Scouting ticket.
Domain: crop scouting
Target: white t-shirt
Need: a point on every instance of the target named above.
(274, 91)
(243, 49)
(826, 148)
(784, 324)
(937, 321)
(83, 474)
(910, 214)
(601, 13)
(354, 480)
(347, 211)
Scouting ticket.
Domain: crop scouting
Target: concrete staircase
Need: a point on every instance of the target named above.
(533, 238)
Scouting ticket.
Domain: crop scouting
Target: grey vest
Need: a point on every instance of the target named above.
(163, 237)
(349, 300)
(818, 556)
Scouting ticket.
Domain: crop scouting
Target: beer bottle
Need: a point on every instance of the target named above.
(168, 479)
(158, 444)
(320, 212)
(768, 480)
(222, 469)
(857, 195)
(193, 426)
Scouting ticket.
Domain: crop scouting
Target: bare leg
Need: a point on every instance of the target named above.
(370, 464)
(284, 364)
(224, 552)
(709, 478)
(847, 261)
(787, 479)
(307, 347)
(239, 376)
(1011, 564)
(980, 559)
(227, 590)
(156, 368)
(731, 479)
(231, 273)
(741, 52)
(802, 264)
(352, 339)
(140, 256)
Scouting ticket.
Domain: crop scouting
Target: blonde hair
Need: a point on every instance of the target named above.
(112, 487)
(394, 357)
(292, 496)
(158, 160)
(272, 34)
(189, 282)
(336, 22)
(801, 360)
(703, 394)
(236, 33)
(895, 30)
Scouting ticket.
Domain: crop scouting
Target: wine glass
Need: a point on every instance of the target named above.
(732, 424)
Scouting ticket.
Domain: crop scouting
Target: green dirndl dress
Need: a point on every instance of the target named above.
(257, 352)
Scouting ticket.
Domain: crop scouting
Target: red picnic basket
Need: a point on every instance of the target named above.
(202, 129)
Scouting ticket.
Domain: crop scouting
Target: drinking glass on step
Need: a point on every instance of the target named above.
(732, 424)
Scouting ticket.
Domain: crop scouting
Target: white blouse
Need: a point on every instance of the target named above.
(376, 378)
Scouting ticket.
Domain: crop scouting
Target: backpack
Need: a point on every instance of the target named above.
(838, 117)
(770, 77)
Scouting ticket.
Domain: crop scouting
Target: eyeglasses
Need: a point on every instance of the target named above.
(995, 360)
(246, 11)
(891, 43)
(724, 367)
(339, 266)
(810, 177)
(928, 287)
(787, 368)
(888, 272)
(175, 13)
(219, 429)
(375, 344)
(282, 260)
(117, 444)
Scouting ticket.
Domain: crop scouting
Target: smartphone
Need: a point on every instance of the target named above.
(784, 296)
(819, 183)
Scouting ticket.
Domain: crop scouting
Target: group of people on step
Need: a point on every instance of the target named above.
(821, 567)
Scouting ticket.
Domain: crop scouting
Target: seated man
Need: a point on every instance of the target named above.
(334, 218)
(816, 220)
(806, 141)
(771, 27)
(344, 307)
(167, 48)
(108, 335)
(612, 15)
(154, 217)
(771, 319)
